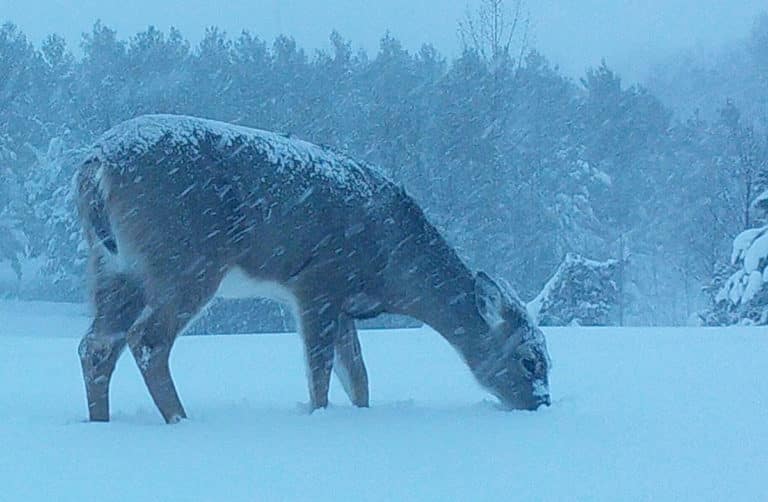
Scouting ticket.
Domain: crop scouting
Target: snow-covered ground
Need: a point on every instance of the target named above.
(638, 414)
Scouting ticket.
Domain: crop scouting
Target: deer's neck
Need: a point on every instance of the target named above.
(437, 288)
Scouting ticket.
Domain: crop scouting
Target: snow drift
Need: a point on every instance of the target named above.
(641, 414)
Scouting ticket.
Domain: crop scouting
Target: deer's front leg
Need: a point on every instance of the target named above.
(318, 327)
(349, 365)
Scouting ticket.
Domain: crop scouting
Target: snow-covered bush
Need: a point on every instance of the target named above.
(745, 294)
(40, 255)
(57, 232)
(12, 239)
(581, 292)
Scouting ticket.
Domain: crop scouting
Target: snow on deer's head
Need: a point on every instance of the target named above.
(517, 366)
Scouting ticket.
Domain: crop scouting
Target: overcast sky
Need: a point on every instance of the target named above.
(573, 33)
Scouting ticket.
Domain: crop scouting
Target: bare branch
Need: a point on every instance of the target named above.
(494, 28)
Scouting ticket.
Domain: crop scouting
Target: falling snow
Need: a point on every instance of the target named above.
(500, 208)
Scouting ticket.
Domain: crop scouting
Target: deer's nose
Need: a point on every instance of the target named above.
(542, 401)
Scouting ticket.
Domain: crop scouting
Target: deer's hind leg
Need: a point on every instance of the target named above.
(151, 339)
(349, 366)
(118, 300)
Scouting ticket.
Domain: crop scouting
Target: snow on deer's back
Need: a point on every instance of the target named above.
(289, 157)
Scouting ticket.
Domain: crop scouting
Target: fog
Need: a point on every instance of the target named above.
(629, 34)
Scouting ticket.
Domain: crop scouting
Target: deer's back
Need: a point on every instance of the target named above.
(187, 196)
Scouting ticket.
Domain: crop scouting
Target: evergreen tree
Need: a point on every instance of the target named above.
(158, 76)
(103, 92)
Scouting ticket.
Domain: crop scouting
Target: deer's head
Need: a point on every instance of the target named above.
(516, 368)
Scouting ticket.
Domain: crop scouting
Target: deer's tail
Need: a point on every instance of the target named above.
(92, 205)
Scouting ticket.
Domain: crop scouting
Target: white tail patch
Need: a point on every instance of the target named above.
(126, 261)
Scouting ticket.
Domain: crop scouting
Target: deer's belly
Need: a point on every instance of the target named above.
(238, 284)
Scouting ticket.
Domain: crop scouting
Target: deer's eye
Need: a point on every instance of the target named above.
(529, 365)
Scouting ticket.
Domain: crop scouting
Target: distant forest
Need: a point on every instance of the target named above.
(515, 162)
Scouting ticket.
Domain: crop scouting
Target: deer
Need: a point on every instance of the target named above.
(177, 210)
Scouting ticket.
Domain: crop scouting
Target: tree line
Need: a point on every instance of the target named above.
(516, 162)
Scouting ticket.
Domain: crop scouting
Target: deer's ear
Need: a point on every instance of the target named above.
(490, 299)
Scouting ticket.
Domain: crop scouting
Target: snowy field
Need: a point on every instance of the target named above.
(638, 414)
